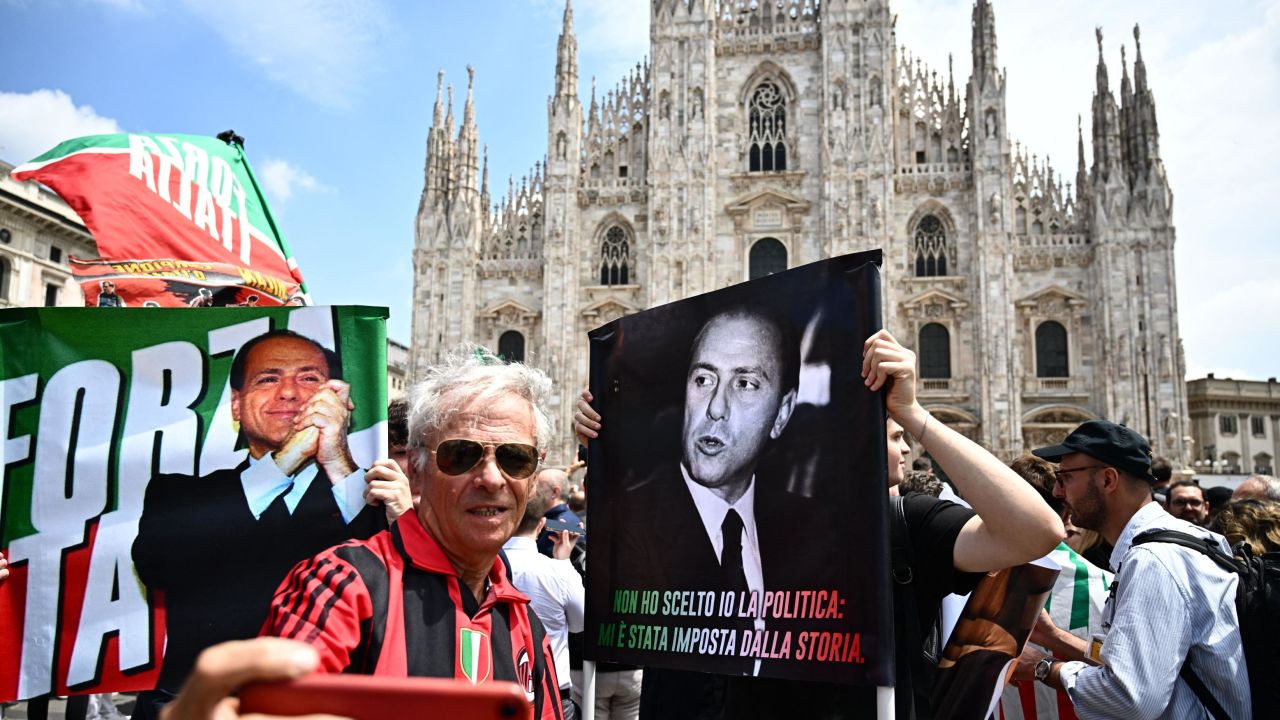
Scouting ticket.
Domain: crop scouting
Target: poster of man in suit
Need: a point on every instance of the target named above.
(165, 468)
(739, 487)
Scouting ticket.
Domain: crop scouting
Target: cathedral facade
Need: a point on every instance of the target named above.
(762, 136)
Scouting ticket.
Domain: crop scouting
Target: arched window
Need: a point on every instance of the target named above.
(615, 257)
(4, 278)
(935, 351)
(768, 256)
(511, 346)
(767, 129)
(930, 247)
(1051, 350)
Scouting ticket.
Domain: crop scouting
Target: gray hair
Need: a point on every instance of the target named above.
(463, 378)
(1273, 485)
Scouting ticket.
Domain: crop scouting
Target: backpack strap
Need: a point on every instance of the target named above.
(1210, 549)
(918, 704)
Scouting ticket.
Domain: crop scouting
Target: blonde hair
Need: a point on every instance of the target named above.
(1251, 521)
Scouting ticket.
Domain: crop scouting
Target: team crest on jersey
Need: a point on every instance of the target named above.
(475, 655)
(524, 673)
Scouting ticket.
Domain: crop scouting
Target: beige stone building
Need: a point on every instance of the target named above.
(38, 232)
(762, 136)
(1235, 425)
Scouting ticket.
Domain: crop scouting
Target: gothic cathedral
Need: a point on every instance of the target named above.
(761, 136)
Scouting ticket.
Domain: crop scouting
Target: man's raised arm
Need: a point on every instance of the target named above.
(1013, 524)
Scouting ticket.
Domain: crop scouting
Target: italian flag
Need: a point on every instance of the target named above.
(1075, 605)
(171, 197)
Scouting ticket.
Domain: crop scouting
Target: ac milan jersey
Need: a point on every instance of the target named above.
(393, 605)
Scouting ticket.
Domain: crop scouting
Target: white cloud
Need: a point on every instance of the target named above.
(281, 180)
(31, 123)
(319, 49)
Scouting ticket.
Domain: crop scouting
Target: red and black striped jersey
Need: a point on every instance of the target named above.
(393, 605)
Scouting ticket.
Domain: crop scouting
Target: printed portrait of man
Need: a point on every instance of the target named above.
(217, 546)
(107, 296)
(712, 521)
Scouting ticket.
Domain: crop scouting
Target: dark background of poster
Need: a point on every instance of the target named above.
(833, 454)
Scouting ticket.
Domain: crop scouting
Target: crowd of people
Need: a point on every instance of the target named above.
(467, 560)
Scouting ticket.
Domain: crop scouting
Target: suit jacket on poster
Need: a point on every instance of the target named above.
(218, 566)
(664, 545)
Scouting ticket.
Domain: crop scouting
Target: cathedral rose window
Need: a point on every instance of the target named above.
(929, 248)
(615, 257)
(767, 126)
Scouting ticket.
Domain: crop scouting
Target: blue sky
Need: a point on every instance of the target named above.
(334, 98)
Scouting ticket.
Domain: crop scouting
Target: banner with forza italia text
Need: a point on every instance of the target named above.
(169, 198)
(138, 446)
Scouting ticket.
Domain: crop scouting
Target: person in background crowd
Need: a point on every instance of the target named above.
(554, 588)
(432, 587)
(1251, 521)
(1162, 471)
(1258, 486)
(920, 482)
(1215, 499)
(922, 464)
(1187, 502)
(398, 434)
(550, 487)
(1172, 606)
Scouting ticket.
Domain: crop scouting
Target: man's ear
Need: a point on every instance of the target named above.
(1111, 480)
(235, 405)
(541, 525)
(784, 414)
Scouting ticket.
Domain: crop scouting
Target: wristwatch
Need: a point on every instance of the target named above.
(1043, 668)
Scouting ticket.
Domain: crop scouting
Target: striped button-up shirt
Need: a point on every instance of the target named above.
(1170, 604)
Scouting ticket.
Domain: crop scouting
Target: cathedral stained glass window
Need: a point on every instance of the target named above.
(767, 128)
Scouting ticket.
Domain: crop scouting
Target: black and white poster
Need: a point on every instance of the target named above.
(738, 486)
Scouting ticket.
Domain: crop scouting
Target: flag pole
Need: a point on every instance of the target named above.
(588, 690)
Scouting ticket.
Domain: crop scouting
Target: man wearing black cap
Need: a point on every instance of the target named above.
(1171, 608)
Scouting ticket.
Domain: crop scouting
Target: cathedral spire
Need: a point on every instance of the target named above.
(484, 177)
(567, 56)
(469, 110)
(1103, 82)
(951, 79)
(1082, 171)
(437, 117)
(448, 118)
(984, 42)
(1147, 140)
(1106, 129)
(1139, 67)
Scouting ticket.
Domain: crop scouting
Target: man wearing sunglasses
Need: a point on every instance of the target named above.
(1170, 622)
(430, 597)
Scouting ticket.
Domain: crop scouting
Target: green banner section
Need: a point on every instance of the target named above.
(99, 401)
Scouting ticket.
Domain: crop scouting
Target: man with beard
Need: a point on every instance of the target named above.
(1170, 623)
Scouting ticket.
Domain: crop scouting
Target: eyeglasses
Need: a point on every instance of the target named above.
(1187, 502)
(516, 460)
(1060, 476)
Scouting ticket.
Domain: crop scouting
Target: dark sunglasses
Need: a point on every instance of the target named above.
(516, 460)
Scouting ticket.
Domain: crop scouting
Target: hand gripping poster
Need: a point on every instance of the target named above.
(165, 468)
(738, 486)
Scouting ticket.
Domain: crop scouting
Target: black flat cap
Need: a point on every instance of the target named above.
(1113, 444)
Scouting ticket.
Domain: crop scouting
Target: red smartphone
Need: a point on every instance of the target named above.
(368, 697)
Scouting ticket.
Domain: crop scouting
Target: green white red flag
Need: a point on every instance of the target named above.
(168, 198)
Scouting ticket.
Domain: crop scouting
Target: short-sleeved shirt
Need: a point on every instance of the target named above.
(933, 526)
